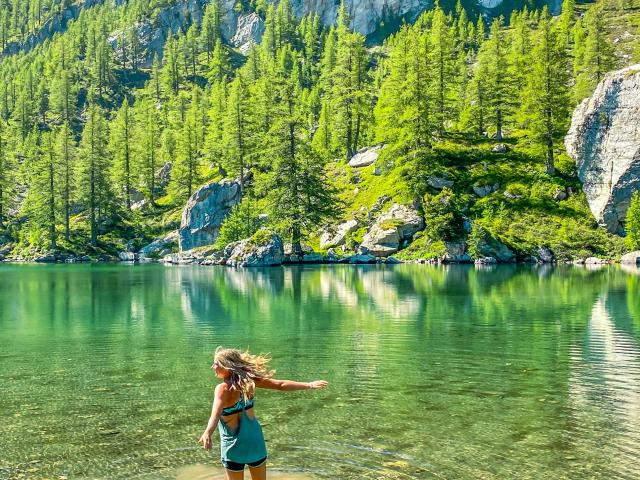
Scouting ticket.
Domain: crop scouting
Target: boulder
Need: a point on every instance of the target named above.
(544, 255)
(486, 261)
(205, 211)
(262, 250)
(484, 190)
(560, 195)
(392, 230)
(439, 182)
(339, 236)
(499, 148)
(361, 258)
(249, 32)
(159, 247)
(365, 157)
(491, 247)
(127, 256)
(631, 258)
(595, 261)
(456, 253)
(604, 141)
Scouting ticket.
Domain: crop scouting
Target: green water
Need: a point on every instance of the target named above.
(443, 373)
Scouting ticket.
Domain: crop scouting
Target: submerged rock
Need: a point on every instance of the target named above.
(604, 141)
(205, 211)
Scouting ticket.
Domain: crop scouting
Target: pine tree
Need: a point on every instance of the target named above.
(40, 204)
(93, 166)
(237, 139)
(545, 110)
(442, 61)
(210, 32)
(632, 224)
(185, 174)
(494, 54)
(7, 179)
(300, 195)
(596, 54)
(65, 152)
(120, 148)
(148, 146)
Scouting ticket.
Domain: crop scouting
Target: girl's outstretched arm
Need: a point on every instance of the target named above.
(289, 385)
(216, 411)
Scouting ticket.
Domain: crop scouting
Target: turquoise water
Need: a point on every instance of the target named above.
(435, 373)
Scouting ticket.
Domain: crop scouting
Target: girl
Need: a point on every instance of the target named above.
(241, 440)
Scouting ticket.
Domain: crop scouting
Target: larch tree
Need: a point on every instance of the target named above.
(120, 147)
(546, 96)
(94, 190)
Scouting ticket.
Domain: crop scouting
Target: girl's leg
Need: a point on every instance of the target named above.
(259, 473)
(234, 475)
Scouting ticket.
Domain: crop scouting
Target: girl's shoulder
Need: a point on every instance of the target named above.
(222, 389)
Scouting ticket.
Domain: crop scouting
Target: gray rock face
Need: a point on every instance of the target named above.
(439, 182)
(159, 247)
(631, 258)
(456, 253)
(205, 211)
(491, 247)
(484, 190)
(248, 32)
(365, 157)
(392, 230)
(604, 141)
(338, 238)
(544, 255)
(247, 254)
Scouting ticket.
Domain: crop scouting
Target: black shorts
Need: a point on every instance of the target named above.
(239, 467)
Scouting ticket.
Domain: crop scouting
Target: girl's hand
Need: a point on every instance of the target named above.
(205, 440)
(318, 384)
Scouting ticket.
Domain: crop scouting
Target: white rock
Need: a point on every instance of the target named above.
(394, 227)
(604, 141)
(328, 239)
(365, 157)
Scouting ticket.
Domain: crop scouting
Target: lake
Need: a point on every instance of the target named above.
(510, 372)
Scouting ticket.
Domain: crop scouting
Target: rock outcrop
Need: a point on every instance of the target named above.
(205, 212)
(365, 157)
(338, 237)
(392, 231)
(257, 251)
(248, 32)
(604, 141)
(159, 247)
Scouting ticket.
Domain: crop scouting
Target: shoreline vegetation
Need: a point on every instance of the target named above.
(345, 151)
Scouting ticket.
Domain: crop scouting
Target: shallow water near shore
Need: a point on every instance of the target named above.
(435, 372)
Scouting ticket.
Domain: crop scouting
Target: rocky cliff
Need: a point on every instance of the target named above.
(372, 18)
(604, 141)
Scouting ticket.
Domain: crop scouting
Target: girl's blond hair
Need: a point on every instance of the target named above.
(245, 368)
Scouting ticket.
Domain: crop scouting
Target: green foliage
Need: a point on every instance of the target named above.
(632, 223)
(443, 216)
(241, 223)
(304, 97)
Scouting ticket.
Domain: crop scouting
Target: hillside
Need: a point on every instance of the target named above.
(112, 119)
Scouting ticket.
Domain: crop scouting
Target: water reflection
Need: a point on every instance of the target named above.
(605, 391)
(436, 372)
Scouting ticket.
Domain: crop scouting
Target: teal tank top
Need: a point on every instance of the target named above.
(245, 444)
